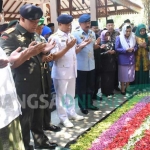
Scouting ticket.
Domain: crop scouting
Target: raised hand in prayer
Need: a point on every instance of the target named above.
(3, 63)
(70, 44)
(111, 52)
(85, 42)
(102, 46)
(47, 58)
(130, 50)
(49, 46)
(15, 55)
(35, 49)
(97, 42)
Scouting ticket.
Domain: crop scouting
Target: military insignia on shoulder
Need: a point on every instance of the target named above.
(54, 34)
(5, 37)
(42, 37)
(82, 37)
(21, 38)
(77, 29)
(9, 30)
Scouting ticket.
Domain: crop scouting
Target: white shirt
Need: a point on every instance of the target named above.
(10, 107)
(66, 66)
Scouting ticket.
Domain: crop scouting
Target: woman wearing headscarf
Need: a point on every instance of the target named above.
(141, 57)
(46, 32)
(125, 45)
(107, 64)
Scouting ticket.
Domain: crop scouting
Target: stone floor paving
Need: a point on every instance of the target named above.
(68, 134)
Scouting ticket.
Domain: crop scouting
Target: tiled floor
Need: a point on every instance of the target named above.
(66, 135)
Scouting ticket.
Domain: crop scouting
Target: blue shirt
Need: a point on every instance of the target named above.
(85, 58)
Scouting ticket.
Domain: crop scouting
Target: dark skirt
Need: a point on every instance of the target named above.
(107, 82)
(141, 78)
(11, 137)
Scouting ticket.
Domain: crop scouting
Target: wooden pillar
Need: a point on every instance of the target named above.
(2, 18)
(58, 7)
(54, 12)
(93, 10)
(106, 12)
(70, 6)
(43, 7)
(96, 10)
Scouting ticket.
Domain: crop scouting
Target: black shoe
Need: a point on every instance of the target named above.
(29, 147)
(84, 111)
(123, 93)
(52, 128)
(92, 107)
(117, 89)
(48, 145)
(112, 94)
(99, 98)
(95, 97)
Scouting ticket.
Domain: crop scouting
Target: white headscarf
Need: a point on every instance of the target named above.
(131, 38)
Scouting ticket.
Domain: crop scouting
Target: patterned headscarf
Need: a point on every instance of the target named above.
(103, 37)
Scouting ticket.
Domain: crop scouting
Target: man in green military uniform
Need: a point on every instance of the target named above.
(30, 75)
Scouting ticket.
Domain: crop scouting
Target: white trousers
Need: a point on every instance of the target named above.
(65, 93)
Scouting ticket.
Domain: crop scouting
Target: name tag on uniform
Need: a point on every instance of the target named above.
(90, 55)
(63, 40)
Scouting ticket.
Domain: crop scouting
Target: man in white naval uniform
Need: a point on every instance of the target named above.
(64, 71)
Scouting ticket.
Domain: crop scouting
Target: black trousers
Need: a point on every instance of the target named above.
(116, 76)
(85, 88)
(97, 82)
(107, 82)
(47, 111)
(32, 120)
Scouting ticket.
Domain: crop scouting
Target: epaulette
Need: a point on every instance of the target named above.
(76, 30)
(9, 30)
(54, 34)
(42, 37)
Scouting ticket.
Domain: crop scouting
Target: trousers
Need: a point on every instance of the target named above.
(65, 93)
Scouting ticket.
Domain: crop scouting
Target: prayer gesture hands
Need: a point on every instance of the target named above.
(49, 46)
(97, 42)
(47, 58)
(3, 63)
(111, 52)
(130, 50)
(70, 44)
(35, 49)
(85, 42)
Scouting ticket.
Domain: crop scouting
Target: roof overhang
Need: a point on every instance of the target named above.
(128, 4)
